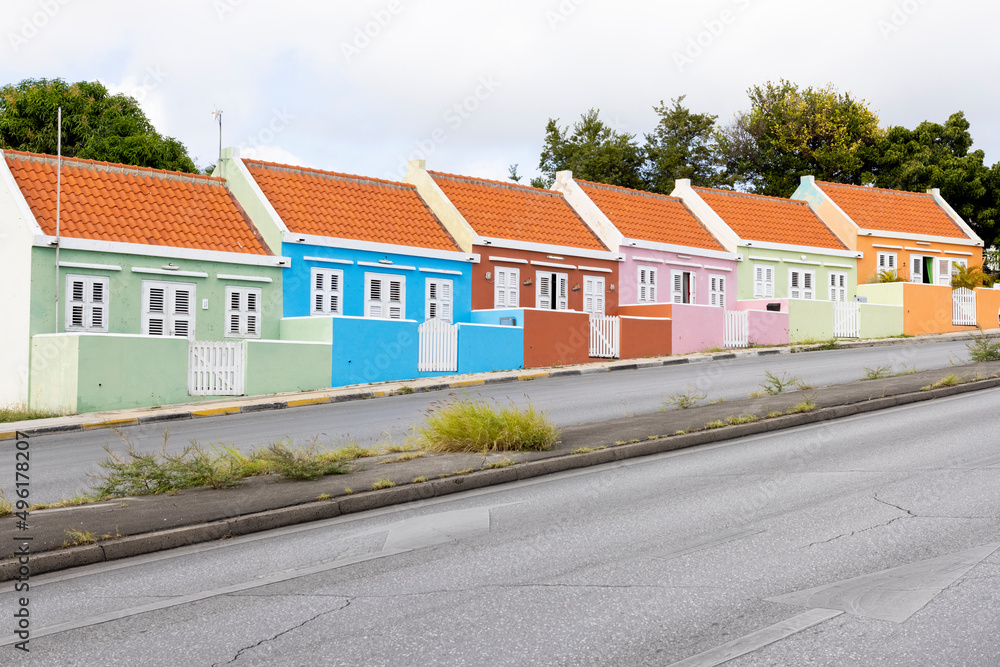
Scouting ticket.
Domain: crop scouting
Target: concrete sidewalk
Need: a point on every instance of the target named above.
(236, 405)
(132, 526)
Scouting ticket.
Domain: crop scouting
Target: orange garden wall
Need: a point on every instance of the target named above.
(988, 308)
(645, 337)
(556, 338)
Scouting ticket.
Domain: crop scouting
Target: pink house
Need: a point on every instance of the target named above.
(674, 266)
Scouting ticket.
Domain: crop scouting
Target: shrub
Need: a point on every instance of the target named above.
(983, 348)
(474, 425)
(774, 384)
(969, 277)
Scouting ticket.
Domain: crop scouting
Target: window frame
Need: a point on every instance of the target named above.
(558, 291)
(767, 286)
(677, 287)
(595, 292)
(646, 290)
(170, 318)
(891, 263)
(88, 304)
(442, 301)
(811, 290)
(833, 290)
(325, 293)
(244, 314)
(509, 286)
(385, 304)
(716, 290)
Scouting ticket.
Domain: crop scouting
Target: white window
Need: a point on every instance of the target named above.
(242, 312)
(917, 269)
(327, 292)
(947, 269)
(385, 296)
(886, 261)
(683, 285)
(717, 291)
(801, 284)
(647, 284)
(838, 286)
(763, 281)
(438, 299)
(593, 295)
(167, 309)
(505, 287)
(552, 291)
(87, 303)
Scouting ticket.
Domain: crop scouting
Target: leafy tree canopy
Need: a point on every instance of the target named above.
(683, 145)
(938, 156)
(96, 125)
(593, 151)
(790, 132)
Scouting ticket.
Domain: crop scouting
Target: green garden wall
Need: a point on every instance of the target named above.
(809, 320)
(881, 321)
(278, 366)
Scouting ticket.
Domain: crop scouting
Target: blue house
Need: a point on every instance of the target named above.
(373, 270)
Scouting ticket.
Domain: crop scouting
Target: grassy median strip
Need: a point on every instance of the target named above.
(475, 425)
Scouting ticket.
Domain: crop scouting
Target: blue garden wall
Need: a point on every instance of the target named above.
(483, 348)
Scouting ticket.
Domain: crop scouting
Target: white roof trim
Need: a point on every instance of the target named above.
(398, 267)
(547, 248)
(924, 249)
(816, 250)
(838, 266)
(672, 263)
(920, 237)
(167, 252)
(801, 261)
(7, 178)
(669, 247)
(252, 182)
(445, 272)
(651, 260)
(717, 268)
(552, 265)
(593, 269)
(372, 246)
(887, 247)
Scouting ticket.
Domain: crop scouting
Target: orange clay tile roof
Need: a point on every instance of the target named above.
(121, 203)
(770, 219)
(892, 210)
(650, 216)
(517, 212)
(343, 206)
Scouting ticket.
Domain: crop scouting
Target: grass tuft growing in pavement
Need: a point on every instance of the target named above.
(947, 381)
(683, 400)
(20, 412)
(474, 425)
(983, 348)
(6, 509)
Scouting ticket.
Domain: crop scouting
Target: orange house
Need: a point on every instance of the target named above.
(917, 235)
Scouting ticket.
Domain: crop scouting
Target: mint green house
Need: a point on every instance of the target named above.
(790, 262)
(143, 287)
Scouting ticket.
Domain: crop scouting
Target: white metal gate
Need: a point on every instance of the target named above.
(217, 368)
(736, 331)
(846, 319)
(438, 346)
(605, 336)
(963, 307)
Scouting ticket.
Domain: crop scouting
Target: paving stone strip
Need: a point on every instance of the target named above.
(132, 526)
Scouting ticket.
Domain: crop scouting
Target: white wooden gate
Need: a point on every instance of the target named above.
(438, 346)
(846, 319)
(736, 331)
(963, 307)
(217, 368)
(605, 336)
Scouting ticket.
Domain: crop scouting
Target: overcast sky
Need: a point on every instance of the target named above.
(362, 86)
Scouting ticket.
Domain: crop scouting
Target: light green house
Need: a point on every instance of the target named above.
(791, 262)
(114, 296)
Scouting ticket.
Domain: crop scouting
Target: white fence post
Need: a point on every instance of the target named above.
(736, 329)
(963, 307)
(605, 336)
(217, 368)
(438, 346)
(846, 319)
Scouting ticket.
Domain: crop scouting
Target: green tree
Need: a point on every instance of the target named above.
(790, 132)
(593, 151)
(938, 156)
(96, 125)
(683, 145)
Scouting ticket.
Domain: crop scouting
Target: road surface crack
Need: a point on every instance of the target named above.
(901, 509)
(909, 515)
(285, 632)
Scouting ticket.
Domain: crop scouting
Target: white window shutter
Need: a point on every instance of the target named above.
(181, 303)
(916, 269)
(692, 287)
(437, 294)
(506, 287)
(396, 299)
(86, 303)
(543, 291)
(562, 293)
(944, 271)
(676, 293)
(325, 293)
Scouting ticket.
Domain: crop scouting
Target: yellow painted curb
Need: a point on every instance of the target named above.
(8, 435)
(522, 378)
(466, 383)
(111, 423)
(378, 394)
(214, 411)
(308, 401)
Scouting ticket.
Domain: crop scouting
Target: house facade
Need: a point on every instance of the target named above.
(370, 263)
(144, 264)
(539, 261)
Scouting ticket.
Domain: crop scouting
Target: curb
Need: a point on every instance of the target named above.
(460, 384)
(126, 547)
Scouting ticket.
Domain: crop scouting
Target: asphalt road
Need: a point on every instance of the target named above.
(698, 556)
(62, 463)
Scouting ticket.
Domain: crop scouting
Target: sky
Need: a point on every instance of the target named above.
(361, 87)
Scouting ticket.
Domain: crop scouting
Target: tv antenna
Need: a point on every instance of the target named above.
(217, 114)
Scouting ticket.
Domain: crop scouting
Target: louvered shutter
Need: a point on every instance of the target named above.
(677, 287)
(182, 315)
(562, 291)
(396, 299)
(543, 291)
(325, 294)
(438, 299)
(154, 309)
(243, 312)
(944, 271)
(506, 286)
(807, 284)
(794, 285)
(916, 269)
(86, 303)
(373, 303)
(692, 281)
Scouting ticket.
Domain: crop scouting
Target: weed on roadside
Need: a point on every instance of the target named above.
(383, 484)
(6, 508)
(419, 480)
(475, 425)
(20, 412)
(502, 463)
(741, 419)
(683, 400)
(78, 538)
(805, 406)
(774, 384)
(947, 381)
(983, 348)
